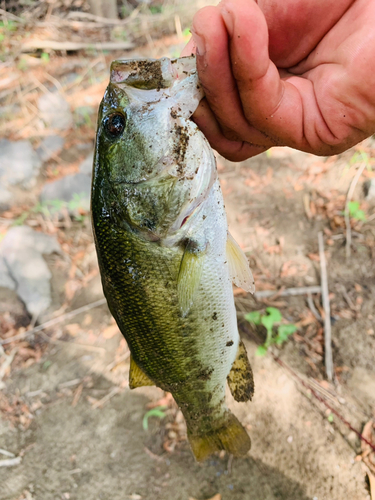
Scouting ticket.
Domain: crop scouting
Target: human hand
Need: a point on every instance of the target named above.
(298, 73)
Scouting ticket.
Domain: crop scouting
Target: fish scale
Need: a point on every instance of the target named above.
(166, 258)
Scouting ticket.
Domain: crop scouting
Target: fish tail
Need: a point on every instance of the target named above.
(231, 437)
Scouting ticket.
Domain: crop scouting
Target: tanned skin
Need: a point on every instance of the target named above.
(298, 73)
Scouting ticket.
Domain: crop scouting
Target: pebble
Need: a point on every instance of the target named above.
(72, 190)
(23, 268)
(19, 164)
(370, 190)
(49, 147)
(11, 304)
(86, 165)
(5, 198)
(55, 111)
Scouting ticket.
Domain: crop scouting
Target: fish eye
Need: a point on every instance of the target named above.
(115, 124)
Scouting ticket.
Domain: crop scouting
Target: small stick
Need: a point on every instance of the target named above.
(153, 455)
(7, 15)
(322, 400)
(327, 310)
(288, 291)
(347, 298)
(106, 398)
(347, 215)
(10, 462)
(54, 321)
(31, 45)
(229, 466)
(7, 453)
(77, 395)
(72, 344)
(312, 307)
(116, 362)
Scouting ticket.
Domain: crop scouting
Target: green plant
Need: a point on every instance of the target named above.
(361, 157)
(44, 57)
(355, 212)
(8, 26)
(269, 320)
(22, 64)
(156, 9)
(52, 207)
(154, 412)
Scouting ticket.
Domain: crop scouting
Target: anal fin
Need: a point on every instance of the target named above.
(240, 378)
(239, 268)
(137, 378)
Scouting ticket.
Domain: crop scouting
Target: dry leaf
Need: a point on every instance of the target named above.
(314, 256)
(73, 329)
(372, 484)
(110, 331)
(216, 497)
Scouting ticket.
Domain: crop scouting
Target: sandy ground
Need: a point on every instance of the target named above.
(300, 451)
(66, 410)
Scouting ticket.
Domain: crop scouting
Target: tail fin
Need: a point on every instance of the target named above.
(231, 437)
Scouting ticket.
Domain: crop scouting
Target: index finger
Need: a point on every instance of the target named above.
(285, 109)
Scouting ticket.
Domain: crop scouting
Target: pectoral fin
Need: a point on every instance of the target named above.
(189, 278)
(137, 378)
(240, 378)
(239, 268)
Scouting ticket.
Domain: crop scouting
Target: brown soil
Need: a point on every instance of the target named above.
(74, 448)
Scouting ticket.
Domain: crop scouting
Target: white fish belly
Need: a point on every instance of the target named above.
(214, 304)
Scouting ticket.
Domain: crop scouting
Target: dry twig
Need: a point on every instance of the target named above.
(106, 398)
(54, 321)
(327, 309)
(7, 453)
(288, 291)
(31, 45)
(10, 462)
(349, 197)
(312, 307)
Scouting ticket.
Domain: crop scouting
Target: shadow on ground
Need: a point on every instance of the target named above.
(78, 452)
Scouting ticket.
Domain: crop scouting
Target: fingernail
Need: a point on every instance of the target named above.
(199, 43)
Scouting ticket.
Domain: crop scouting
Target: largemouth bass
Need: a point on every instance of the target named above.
(166, 258)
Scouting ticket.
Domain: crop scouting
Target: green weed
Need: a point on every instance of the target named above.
(269, 320)
(154, 412)
(44, 57)
(355, 212)
(52, 207)
(361, 157)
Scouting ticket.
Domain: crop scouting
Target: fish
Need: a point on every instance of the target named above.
(166, 258)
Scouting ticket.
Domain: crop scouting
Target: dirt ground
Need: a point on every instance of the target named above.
(66, 410)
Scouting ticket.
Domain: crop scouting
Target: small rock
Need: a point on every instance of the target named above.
(86, 165)
(362, 383)
(19, 164)
(50, 146)
(370, 190)
(72, 190)
(83, 115)
(11, 304)
(5, 198)
(21, 253)
(55, 111)
(6, 279)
